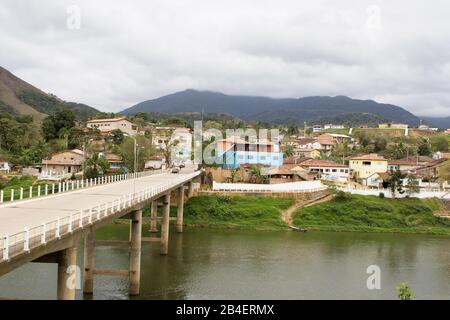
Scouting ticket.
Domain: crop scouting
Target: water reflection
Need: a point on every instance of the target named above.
(227, 264)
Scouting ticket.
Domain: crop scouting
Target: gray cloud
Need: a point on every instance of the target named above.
(126, 52)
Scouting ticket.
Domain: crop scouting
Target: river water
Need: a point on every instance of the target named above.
(226, 264)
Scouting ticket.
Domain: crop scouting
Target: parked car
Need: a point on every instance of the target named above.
(176, 170)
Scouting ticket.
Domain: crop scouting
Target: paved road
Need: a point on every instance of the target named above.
(16, 216)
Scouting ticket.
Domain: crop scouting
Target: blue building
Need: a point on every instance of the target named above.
(233, 152)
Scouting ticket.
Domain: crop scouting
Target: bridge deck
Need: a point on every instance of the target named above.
(14, 217)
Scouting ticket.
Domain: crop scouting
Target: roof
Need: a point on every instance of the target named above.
(239, 140)
(372, 156)
(294, 160)
(322, 163)
(306, 140)
(113, 158)
(108, 120)
(75, 162)
(155, 158)
(306, 150)
(432, 164)
(402, 162)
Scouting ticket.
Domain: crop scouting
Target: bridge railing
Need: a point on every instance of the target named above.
(40, 190)
(36, 236)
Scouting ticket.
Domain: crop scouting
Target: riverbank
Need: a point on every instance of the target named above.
(251, 213)
(374, 214)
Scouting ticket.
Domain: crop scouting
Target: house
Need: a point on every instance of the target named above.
(307, 153)
(307, 143)
(286, 173)
(155, 162)
(447, 131)
(393, 125)
(115, 161)
(407, 165)
(337, 138)
(377, 180)
(363, 166)
(234, 151)
(333, 126)
(328, 170)
(432, 170)
(424, 127)
(4, 166)
(107, 125)
(63, 163)
(317, 128)
(295, 160)
(441, 155)
(184, 145)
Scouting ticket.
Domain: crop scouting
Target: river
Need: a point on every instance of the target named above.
(228, 264)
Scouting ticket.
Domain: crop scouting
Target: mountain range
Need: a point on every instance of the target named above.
(21, 98)
(317, 109)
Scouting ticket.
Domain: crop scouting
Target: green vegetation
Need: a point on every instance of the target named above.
(49, 104)
(257, 213)
(374, 214)
(405, 292)
(16, 183)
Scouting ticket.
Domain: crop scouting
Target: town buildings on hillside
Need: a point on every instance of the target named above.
(107, 125)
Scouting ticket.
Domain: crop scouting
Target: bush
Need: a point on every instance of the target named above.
(381, 195)
(342, 196)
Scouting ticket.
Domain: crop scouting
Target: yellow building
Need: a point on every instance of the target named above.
(364, 166)
(401, 126)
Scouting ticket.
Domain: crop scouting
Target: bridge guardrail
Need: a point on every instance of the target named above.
(41, 190)
(31, 238)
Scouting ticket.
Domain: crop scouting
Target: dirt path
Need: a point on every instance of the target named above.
(287, 215)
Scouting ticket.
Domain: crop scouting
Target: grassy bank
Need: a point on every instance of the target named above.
(374, 214)
(256, 213)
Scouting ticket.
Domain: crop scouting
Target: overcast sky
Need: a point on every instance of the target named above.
(125, 52)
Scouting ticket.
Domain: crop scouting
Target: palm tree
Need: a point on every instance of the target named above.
(257, 176)
(94, 165)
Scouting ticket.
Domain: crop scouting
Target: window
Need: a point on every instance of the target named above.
(263, 157)
(240, 157)
(275, 158)
(250, 157)
(366, 163)
(334, 170)
(342, 170)
(327, 170)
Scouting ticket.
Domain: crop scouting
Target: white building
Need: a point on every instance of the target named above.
(184, 146)
(5, 167)
(107, 125)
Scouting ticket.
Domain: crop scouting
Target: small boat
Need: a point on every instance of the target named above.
(298, 229)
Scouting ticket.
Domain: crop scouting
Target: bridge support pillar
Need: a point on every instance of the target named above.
(89, 254)
(180, 209)
(135, 252)
(190, 188)
(165, 225)
(153, 216)
(67, 267)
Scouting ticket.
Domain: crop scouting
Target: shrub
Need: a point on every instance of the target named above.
(342, 196)
(381, 195)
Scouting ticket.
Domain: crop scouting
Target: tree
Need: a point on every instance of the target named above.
(439, 143)
(424, 148)
(289, 151)
(94, 166)
(405, 292)
(116, 136)
(413, 185)
(52, 125)
(396, 182)
(380, 144)
(169, 149)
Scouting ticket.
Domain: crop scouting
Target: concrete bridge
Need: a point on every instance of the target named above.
(48, 229)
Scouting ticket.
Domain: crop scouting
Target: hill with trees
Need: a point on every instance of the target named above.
(280, 111)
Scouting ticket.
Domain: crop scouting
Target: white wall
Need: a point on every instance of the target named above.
(281, 187)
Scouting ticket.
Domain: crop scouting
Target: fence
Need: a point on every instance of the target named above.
(301, 186)
(424, 193)
(54, 188)
(30, 238)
